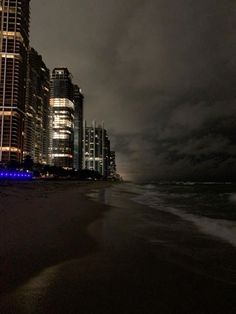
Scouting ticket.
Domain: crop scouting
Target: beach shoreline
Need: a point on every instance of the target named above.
(98, 256)
(42, 224)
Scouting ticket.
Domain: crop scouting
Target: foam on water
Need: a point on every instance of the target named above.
(149, 186)
(232, 197)
(221, 228)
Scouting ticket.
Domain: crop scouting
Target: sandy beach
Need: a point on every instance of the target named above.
(62, 252)
(43, 224)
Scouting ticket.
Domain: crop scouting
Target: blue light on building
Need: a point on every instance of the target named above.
(15, 175)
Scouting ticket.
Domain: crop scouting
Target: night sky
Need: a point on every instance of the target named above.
(161, 74)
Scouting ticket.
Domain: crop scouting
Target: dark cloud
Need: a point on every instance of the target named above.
(161, 74)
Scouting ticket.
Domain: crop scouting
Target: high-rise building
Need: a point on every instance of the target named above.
(112, 165)
(96, 149)
(36, 139)
(78, 130)
(107, 150)
(62, 110)
(14, 42)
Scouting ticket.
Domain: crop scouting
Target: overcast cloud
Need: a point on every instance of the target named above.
(161, 74)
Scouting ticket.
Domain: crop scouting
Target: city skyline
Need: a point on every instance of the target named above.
(41, 116)
(160, 73)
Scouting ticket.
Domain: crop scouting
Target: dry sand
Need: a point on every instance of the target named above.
(43, 224)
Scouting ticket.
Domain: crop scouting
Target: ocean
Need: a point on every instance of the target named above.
(180, 238)
(211, 207)
(150, 249)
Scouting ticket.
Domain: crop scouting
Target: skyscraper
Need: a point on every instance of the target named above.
(36, 139)
(96, 149)
(62, 110)
(112, 165)
(78, 130)
(14, 42)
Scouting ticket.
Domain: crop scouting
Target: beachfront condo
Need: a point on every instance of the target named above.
(96, 149)
(62, 113)
(78, 129)
(36, 139)
(14, 43)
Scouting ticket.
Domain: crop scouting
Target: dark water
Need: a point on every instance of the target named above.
(162, 249)
(182, 240)
(210, 207)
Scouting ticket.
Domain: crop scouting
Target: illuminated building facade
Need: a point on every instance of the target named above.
(112, 165)
(62, 110)
(14, 42)
(36, 140)
(78, 130)
(96, 149)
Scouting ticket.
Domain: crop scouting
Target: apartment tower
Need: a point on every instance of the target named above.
(36, 139)
(62, 111)
(14, 43)
(78, 130)
(112, 166)
(96, 149)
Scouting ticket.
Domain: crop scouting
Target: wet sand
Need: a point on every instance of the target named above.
(64, 253)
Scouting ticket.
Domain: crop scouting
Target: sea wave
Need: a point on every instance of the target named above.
(232, 197)
(221, 228)
(149, 186)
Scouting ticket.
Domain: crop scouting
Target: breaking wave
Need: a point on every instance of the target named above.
(221, 228)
